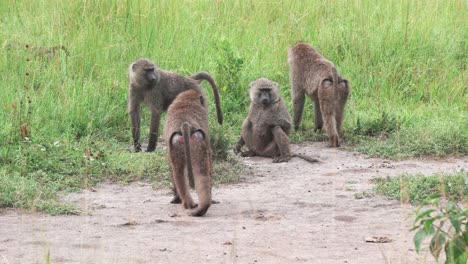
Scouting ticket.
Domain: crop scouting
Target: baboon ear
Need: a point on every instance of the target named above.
(276, 85)
(133, 66)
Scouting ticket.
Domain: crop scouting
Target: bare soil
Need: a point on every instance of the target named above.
(294, 212)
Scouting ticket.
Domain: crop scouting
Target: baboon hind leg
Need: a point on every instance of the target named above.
(279, 148)
(178, 176)
(298, 105)
(329, 118)
(202, 175)
(317, 116)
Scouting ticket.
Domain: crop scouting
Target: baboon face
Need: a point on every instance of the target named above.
(144, 70)
(263, 91)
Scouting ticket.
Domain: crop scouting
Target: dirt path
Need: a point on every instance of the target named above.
(292, 212)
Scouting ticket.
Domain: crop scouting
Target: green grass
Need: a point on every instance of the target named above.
(416, 188)
(406, 61)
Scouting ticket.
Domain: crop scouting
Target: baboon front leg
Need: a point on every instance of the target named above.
(154, 130)
(134, 111)
(317, 116)
(298, 105)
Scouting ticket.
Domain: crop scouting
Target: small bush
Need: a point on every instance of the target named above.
(431, 223)
(416, 188)
(381, 127)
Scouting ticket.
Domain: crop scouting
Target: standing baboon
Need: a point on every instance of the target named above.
(265, 131)
(157, 88)
(186, 133)
(313, 75)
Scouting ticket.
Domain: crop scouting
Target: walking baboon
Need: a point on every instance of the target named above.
(157, 88)
(186, 133)
(265, 131)
(313, 75)
(40, 52)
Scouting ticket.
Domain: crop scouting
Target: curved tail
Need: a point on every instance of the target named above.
(207, 77)
(188, 158)
(306, 158)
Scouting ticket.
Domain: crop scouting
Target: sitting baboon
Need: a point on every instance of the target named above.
(313, 75)
(186, 133)
(157, 88)
(265, 131)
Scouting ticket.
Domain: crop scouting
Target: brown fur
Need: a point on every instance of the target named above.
(158, 93)
(265, 131)
(313, 75)
(186, 133)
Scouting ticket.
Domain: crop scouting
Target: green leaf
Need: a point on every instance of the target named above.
(424, 214)
(456, 223)
(418, 238)
(456, 251)
(437, 243)
(428, 227)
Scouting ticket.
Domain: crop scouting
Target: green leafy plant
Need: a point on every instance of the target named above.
(452, 238)
(229, 65)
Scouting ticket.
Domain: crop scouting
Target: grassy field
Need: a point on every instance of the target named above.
(63, 121)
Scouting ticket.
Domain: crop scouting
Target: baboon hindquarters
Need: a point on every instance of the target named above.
(200, 160)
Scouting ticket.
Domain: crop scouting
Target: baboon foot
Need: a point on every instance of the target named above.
(150, 149)
(176, 200)
(137, 147)
(189, 205)
(334, 142)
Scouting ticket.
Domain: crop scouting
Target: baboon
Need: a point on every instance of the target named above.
(40, 52)
(313, 75)
(186, 133)
(157, 88)
(265, 131)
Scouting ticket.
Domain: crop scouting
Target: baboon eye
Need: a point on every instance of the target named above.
(150, 69)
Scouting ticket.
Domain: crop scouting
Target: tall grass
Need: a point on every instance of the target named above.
(406, 60)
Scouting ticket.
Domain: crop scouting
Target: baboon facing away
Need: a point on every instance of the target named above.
(313, 75)
(157, 88)
(186, 133)
(265, 131)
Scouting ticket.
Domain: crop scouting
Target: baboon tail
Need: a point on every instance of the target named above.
(188, 159)
(207, 77)
(203, 187)
(306, 158)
